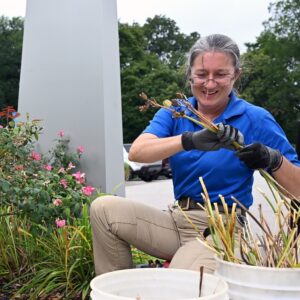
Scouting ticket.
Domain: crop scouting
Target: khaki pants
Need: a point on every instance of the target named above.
(118, 223)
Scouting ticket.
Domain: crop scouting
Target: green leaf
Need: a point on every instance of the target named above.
(5, 186)
(67, 212)
(44, 196)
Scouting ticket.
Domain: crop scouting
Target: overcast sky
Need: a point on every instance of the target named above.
(239, 19)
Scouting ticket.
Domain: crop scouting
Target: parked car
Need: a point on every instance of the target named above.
(166, 168)
(147, 171)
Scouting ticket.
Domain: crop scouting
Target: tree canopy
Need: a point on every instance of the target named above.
(152, 60)
(11, 38)
(272, 66)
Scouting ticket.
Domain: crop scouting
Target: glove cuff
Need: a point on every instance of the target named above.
(276, 161)
(187, 141)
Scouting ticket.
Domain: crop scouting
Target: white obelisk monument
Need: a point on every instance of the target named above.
(70, 78)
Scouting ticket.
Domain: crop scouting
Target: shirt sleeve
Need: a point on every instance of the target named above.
(271, 134)
(162, 124)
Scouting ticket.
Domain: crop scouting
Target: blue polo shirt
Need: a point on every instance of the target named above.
(223, 173)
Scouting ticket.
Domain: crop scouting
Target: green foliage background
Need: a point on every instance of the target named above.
(271, 74)
(11, 38)
(152, 58)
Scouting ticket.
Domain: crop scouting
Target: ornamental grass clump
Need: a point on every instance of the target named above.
(231, 236)
(275, 246)
(56, 264)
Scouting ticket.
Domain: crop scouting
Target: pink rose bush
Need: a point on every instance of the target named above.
(19, 167)
(61, 133)
(79, 177)
(88, 190)
(48, 167)
(64, 183)
(80, 149)
(60, 223)
(35, 156)
(71, 166)
(48, 188)
(61, 170)
(57, 202)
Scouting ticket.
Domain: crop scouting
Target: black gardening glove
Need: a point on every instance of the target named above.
(259, 156)
(207, 140)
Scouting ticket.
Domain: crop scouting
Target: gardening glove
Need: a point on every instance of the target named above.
(259, 156)
(207, 140)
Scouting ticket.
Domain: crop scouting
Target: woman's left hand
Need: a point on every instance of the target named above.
(259, 156)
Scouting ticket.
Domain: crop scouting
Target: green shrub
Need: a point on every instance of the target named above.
(48, 189)
(45, 234)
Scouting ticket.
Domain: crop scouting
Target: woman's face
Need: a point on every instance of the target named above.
(212, 79)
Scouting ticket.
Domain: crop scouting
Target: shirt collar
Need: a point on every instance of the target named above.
(235, 107)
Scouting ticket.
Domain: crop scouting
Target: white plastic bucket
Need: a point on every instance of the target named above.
(157, 284)
(250, 282)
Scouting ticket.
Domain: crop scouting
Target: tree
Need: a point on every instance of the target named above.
(285, 19)
(166, 41)
(147, 75)
(151, 61)
(11, 36)
(132, 44)
(272, 66)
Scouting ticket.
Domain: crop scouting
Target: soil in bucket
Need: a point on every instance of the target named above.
(157, 284)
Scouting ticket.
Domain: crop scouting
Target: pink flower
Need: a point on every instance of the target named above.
(57, 202)
(60, 223)
(35, 156)
(64, 183)
(48, 167)
(1, 126)
(88, 190)
(80, 149)
(71, 166)
(79, 177)
(19, 167)
(61, 133)
(61, 170)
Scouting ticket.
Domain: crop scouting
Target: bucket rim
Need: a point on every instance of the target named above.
(224, 289)
(265, 287)
(244, 266)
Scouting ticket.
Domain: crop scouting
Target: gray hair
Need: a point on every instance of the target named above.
(217, 43)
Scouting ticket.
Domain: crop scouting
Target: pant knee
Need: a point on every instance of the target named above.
(99, 208)
(192, 255)
(102, 203)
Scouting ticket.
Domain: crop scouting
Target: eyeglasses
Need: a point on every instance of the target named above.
(219, 79)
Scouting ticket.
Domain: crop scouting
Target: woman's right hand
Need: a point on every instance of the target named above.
(206, 140)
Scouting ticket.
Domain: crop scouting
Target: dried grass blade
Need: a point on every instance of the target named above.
(287, 248)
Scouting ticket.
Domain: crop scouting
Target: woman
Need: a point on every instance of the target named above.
(213, 67)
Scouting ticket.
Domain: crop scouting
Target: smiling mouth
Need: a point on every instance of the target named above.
(209, 93)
